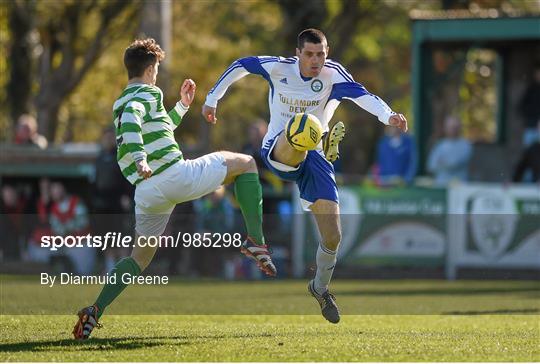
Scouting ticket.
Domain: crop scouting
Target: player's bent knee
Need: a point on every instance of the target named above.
(242, 163)
(331, 241)
(251, 165)
(237, 164)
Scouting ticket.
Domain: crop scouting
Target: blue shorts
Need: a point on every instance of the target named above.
(315, 176)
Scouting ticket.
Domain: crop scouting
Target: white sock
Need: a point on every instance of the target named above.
(326, 261)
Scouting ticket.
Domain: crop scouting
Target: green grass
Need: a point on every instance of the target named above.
(467, 321)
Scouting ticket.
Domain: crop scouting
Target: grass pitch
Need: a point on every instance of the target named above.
(476, 325)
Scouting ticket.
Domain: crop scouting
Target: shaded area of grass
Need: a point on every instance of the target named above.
(24, 295)
(274, 338)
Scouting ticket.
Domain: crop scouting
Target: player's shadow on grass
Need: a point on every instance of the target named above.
(126, 343)
(117, 343)
(533, 290)
(527, 311)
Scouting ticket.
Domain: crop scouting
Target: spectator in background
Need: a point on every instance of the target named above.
(215, 214)
(69, 216)
(26, 132)
(12, 208)
(111, 189)
(256, 133)
(112, 196)
(529, 161)
(449, 159)
(42, 225)
(184, 220)
(530, 108)
(396, 157)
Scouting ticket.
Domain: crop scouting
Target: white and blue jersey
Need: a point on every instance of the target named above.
(291, 93)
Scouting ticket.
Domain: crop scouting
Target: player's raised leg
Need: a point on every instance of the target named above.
(302, 133)
(327, 216)
(331, 140)
(242, 171)
(285, 153)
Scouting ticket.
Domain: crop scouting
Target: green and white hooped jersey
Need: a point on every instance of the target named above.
(144, 130)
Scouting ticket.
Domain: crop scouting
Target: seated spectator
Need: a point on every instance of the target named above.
(12, 208)
(529, 161)
(529, 108)
(396, 157)
(42, 225)
(26, 132)
(449, 159)
(69, 216)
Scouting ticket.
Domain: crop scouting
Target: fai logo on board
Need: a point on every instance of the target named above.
(493, 219)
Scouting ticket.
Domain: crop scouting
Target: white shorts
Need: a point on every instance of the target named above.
(156, 197)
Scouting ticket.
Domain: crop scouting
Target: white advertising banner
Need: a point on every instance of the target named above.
(493, 226)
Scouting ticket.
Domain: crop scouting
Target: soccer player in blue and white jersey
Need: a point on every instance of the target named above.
(308, 83)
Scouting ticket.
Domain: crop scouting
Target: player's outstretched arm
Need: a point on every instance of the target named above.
(345, 87)
(238, 69)
(373, 104)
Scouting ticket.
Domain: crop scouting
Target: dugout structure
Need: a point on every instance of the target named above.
(476, 65)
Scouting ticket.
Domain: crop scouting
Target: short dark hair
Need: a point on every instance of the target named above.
(141, 54)
(311, 35)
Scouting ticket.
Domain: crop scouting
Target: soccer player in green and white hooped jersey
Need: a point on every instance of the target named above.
(150, 158)
(156, 141)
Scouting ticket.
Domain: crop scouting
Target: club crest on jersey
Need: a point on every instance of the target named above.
(316, 85)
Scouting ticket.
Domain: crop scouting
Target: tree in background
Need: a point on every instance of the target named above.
(64, 60)
(55, 44)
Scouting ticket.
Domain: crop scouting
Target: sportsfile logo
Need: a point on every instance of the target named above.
(119, 240)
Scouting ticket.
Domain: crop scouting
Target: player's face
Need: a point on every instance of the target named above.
(312, 57)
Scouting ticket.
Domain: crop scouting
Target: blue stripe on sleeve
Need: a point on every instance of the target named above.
(350, 90)
(231, 68)
(253, 65)
(340, 71)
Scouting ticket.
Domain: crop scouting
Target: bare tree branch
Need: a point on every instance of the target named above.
(60, 39)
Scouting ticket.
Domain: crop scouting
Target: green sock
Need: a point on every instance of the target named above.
(111, 291)
(248, 191)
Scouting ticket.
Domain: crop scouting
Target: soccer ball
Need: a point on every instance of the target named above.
(303, 131)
